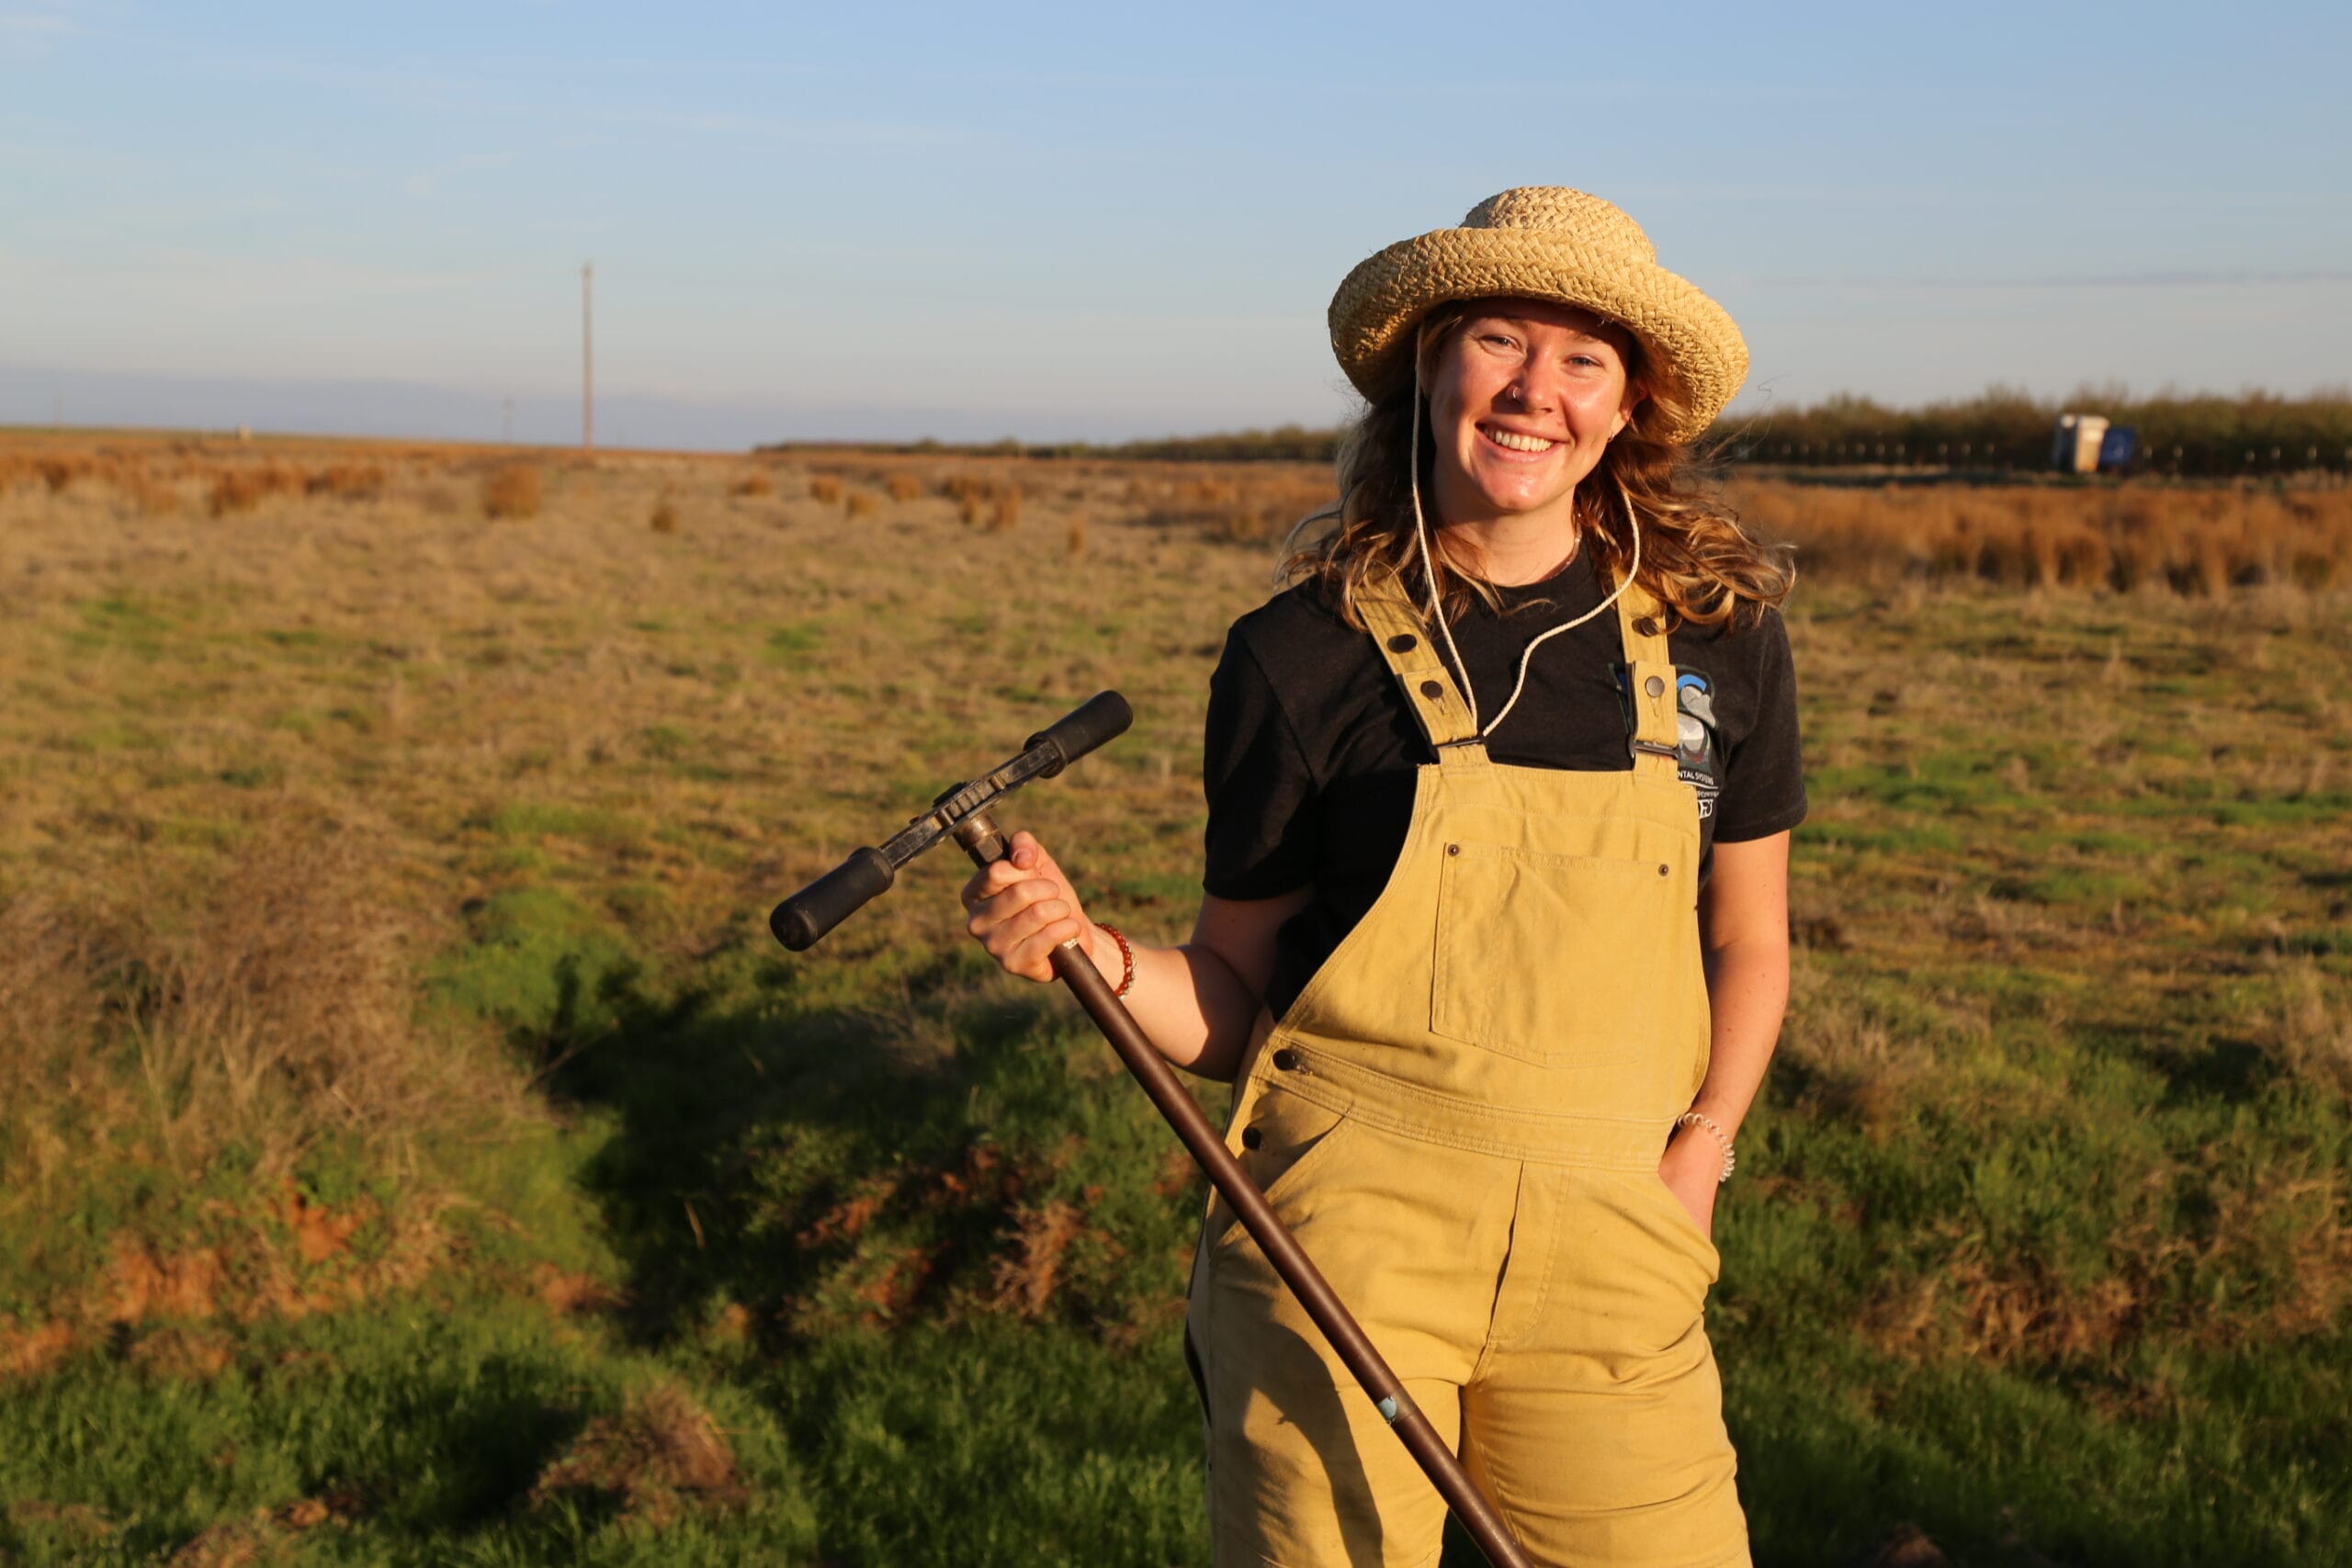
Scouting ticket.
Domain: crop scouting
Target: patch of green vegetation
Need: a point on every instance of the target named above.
(542, 967)
(589, 825)
(2282, 810)
(2078, 886)
(123, 624)
(663, 742)
(418, 1435)
(794, 645)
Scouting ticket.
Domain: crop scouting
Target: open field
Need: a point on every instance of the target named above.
(414, 1149)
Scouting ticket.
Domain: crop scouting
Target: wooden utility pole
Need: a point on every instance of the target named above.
(587, 358)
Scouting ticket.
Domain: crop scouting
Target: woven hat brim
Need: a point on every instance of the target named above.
(1378, 302)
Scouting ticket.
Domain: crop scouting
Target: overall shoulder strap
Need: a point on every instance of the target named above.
(1649, 667)
(1428, 686)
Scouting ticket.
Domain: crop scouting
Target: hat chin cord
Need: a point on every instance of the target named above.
(1437, 608)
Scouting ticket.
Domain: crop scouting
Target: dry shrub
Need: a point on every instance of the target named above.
(284, 1008)
(265, 1536)
(278, 1006)
(903, 487)
(1074, 538)
(2313, 1036)
(276, 1010)
(665, 518)
(1025, 1281)
(826, 488)
(970, 495)
(862, 503)
(153, 496)
(28, 1352)
(660, 1455)
(1242, 506)
(58, 472)
(347, 482)
(1005, 514)
(49, 1010)
(752, 484)
(244, 489)
(511, 491)
(238, 1543)
(2199, 542)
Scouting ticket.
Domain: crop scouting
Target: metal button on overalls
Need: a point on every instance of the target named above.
(1460, 1118)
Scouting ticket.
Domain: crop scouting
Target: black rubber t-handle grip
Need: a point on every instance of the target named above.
(1102, 717)
(833, 897)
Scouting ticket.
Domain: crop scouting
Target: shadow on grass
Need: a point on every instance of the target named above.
(956, 1236)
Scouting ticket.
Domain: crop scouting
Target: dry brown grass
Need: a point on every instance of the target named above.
(825, 488)
(1236, 503)
(661, 1456)
(283, 1009)
(903, 487)
(664, 518)
(268, 1006)
(862, 503)
(2189, 541)
(753, 484)
(511, 492)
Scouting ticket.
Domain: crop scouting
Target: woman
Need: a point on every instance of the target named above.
(1495, 931)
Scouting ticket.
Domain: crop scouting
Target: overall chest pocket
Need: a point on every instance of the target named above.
(1562, 961)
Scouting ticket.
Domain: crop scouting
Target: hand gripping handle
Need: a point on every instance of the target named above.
(1103, 717)
(825, 903)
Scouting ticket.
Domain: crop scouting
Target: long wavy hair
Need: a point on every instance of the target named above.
(1696, 560)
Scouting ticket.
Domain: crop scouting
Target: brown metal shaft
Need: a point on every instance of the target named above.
(986, 845)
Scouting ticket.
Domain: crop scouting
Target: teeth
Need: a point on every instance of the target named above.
(1519, 443)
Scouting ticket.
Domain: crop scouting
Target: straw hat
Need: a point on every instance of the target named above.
(1542, 242)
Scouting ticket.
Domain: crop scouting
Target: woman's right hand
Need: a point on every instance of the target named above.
(1023, 908)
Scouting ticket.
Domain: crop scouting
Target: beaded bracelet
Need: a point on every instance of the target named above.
(1127, 957)
(1687, 1118)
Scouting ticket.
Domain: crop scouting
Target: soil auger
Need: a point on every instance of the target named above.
(963, 813)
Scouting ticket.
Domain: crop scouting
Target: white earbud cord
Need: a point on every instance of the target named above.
(1437, 608)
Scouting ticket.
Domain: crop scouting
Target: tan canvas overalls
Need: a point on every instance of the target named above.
(1460, 1118)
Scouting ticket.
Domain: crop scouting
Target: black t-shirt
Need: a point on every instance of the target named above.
(1311, 750)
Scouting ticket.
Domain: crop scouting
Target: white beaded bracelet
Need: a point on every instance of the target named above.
(1730, 1158)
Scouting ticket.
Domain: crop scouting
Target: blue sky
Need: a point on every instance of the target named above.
(1105, 221)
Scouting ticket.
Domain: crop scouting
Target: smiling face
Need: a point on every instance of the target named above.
(1523, 398)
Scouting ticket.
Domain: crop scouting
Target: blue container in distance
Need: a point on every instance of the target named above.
(2118, 449)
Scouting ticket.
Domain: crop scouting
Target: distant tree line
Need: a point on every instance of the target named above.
(2000, 430)
(2004, 429)
(1286, 442)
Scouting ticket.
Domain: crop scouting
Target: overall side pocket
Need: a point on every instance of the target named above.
(1558, 960)
(1283, 1138)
